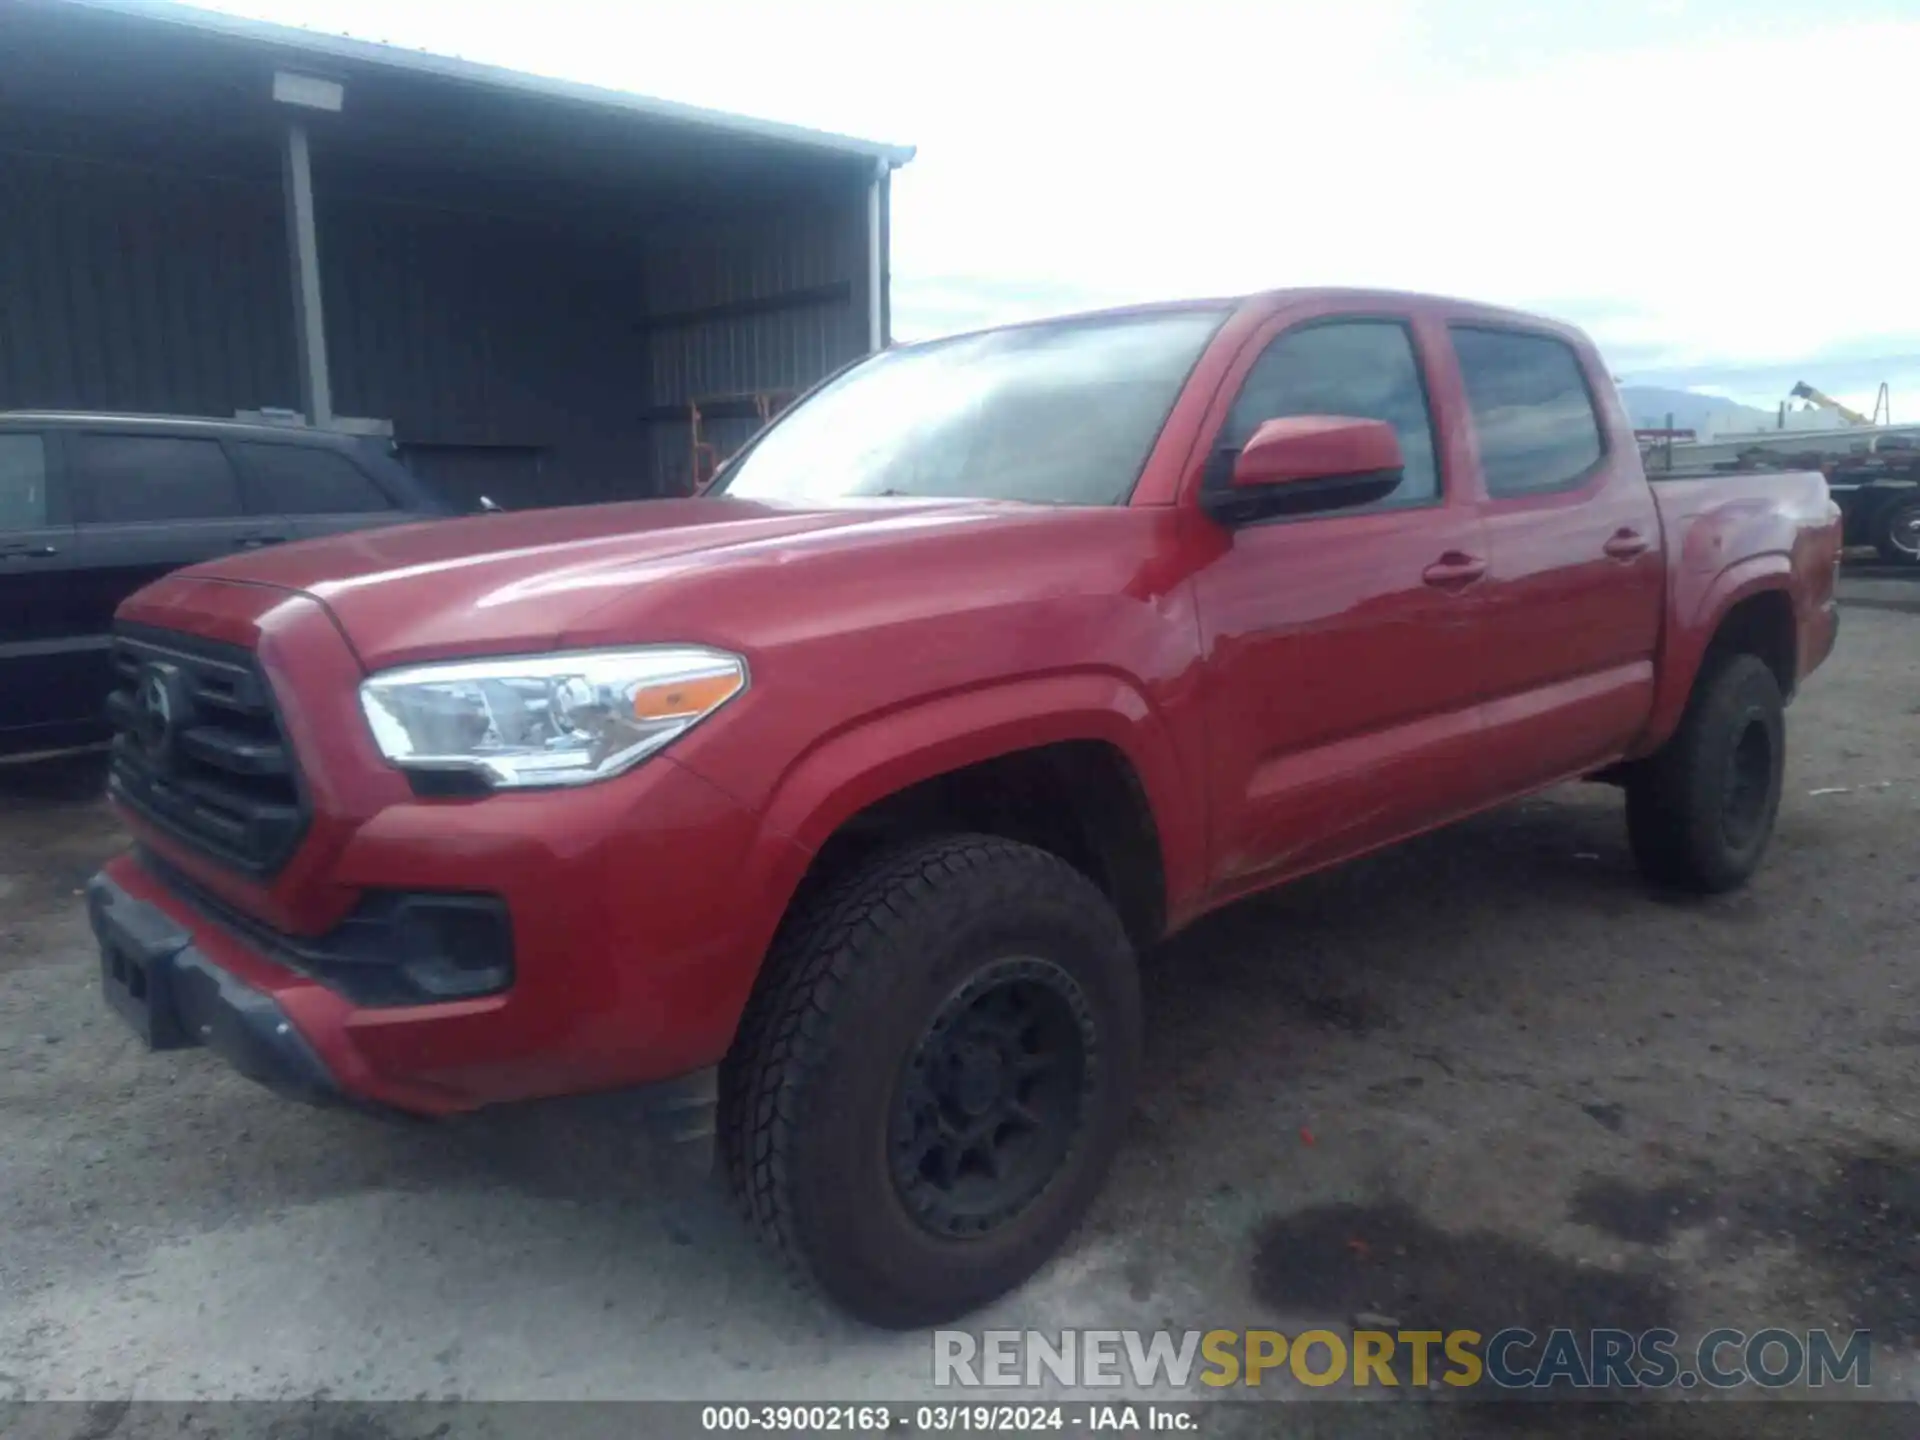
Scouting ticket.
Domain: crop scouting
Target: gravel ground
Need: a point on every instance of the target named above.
(1485, 1078)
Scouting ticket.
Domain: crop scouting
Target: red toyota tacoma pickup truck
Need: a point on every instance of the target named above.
(852, 788)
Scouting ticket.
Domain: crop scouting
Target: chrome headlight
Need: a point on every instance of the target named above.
(531, 720)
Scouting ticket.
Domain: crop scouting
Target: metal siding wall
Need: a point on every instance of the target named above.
(471, 331)
(124, 289)
(697, 265)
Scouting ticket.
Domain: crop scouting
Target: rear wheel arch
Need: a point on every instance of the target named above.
(1763, 625)
(1748, 610)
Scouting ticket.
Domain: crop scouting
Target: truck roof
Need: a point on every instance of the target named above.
(1399, 301)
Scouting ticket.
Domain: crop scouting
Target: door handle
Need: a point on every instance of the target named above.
(31, 552)
(1626, 544)
(1454, 570)
(255, 542)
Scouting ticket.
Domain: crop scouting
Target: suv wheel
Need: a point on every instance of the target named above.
(932, 1076)
(1701, 810)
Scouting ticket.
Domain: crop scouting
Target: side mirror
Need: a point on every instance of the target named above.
(1308, 463)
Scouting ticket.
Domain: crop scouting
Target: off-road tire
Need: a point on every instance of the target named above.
(1701, 810)
(853, 982)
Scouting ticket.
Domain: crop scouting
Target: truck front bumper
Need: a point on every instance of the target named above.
(174, 997)
(439, 956)
(180, 979)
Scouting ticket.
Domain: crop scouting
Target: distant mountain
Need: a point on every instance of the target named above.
(1649, 406)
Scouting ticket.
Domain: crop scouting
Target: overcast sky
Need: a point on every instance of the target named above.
(1720, 190)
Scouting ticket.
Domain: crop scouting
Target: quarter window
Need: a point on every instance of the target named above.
(23, 482)
(305, 480)
(1361, 368)
(1531, 407)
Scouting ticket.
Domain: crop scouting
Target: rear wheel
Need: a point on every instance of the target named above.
(1896, 532)
(933, 1075)
(1701, 811)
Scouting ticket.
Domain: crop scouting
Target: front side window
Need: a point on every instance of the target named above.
(1365, 369)
(130, 478)
(1532, 411)
(23, 482)
(1056, 414)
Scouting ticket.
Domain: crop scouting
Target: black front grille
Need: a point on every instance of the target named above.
(198, 749)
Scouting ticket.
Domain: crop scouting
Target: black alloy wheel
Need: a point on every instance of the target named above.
(991, 1100)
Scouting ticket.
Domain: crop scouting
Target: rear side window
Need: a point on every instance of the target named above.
(1361, 368)
(129, 478)
(302, 480)
(23, 482)
(1531, 408)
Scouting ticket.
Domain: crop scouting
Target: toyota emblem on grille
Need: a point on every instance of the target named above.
(153, 709)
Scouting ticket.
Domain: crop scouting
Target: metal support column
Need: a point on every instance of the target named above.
(876, 264)
(303, 256)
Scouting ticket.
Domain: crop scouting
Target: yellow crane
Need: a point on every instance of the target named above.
(1804, 391)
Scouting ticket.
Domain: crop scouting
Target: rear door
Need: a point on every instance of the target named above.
(147, 503)
(1341, 668)
(319, 490)
(1578, 583)
(48, 653)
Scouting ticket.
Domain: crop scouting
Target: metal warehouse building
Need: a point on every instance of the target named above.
(533, 284)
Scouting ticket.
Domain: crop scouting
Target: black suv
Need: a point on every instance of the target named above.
(92, 507)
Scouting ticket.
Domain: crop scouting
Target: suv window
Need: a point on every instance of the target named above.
(153, 477)
(1362, 368)
(304, 480)
(23, 482)
(1531, 409)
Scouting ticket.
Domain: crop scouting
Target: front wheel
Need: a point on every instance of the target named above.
(933, 1075)
(1700, 811)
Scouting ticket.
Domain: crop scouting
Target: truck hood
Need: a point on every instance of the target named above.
(523, 581)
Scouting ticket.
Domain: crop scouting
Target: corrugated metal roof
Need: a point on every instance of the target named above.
(446, 67)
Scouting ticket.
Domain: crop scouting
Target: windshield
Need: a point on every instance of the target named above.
(1060, 414)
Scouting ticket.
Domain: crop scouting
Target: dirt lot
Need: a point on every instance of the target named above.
(1486, 1079)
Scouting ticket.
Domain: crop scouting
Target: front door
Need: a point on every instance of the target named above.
(1341, 674)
